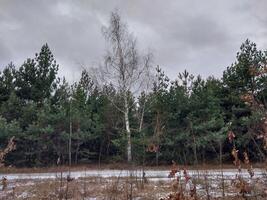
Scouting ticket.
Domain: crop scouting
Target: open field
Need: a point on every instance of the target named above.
(130, 184)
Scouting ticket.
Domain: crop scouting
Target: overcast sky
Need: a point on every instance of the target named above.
(200, 36)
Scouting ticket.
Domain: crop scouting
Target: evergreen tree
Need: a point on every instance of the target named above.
(36, 78)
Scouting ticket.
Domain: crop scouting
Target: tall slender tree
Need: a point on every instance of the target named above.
(122, 68)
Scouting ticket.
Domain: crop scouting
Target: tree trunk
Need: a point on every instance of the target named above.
(158, 124)
(195, 151)
(128, 131)
(184, 155)
(76, 153)
(143, 144)
(70, 135)
(100, 154)
(221, 166)
(157, 158)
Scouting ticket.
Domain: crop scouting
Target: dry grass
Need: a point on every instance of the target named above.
(127, 188)
(95, 188)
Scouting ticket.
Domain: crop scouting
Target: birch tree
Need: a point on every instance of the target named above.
(123, 68)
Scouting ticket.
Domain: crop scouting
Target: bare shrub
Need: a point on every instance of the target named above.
(11, 146)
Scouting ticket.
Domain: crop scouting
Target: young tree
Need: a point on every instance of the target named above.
(158, 105)
(87, 126)
(122, 68)
(245, 88)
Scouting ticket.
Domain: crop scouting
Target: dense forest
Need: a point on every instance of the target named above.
(187, 119)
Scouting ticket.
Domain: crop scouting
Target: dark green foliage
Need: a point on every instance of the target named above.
(35, 79)
(7, 78)
(186, 119)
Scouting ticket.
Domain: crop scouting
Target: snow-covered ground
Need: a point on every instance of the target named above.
(153, 174)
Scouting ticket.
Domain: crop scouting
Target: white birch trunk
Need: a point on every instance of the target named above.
(128, 130)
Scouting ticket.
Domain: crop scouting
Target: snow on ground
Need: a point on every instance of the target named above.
(153, 174)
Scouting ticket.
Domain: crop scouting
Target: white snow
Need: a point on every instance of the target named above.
(151, 174)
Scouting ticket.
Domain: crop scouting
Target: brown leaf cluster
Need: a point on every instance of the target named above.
(236, 161)
(174, 170)
(255, 71)
(249, 166)
(152, 148)
(11, 146)
(231, 136)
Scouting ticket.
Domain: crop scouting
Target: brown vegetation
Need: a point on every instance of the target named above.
(10, 147)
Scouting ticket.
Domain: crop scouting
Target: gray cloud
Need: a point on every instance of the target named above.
(201, 36)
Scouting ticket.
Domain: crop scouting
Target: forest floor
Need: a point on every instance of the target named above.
(97, 184)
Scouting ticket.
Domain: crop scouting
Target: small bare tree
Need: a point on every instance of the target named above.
(123, 68)
(11, 146)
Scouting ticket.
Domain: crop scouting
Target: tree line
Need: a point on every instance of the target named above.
(126, 109)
